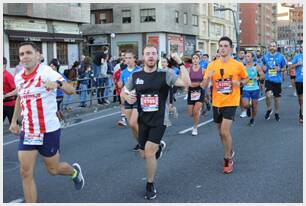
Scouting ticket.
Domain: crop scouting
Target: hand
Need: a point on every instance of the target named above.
(50, 85)
(176, 58)
(14, 128)
(256, 78)
(131, 99)
(235, 84)
(210, 73)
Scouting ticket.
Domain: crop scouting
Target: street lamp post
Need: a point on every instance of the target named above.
(235, 23)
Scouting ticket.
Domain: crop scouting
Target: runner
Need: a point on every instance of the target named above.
(273, 65)
(36, 101)
(131, 111)
(241, 58)
(152, 88)
(227, 75)
(195, 93)
(251, 89)
(297, 65)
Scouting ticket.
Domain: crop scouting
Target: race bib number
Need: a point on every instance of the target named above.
(33, 139)
(195, 95)
(272, 72)
(250, 83)
(224, 87)
(149, 103)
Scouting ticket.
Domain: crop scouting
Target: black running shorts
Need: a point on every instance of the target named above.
(299, 88)
(220, 113)
(149, 133)
(276, 88)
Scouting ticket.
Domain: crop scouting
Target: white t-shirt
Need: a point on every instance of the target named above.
(38, 105)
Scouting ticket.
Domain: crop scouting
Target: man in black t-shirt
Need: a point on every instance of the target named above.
(152, 87)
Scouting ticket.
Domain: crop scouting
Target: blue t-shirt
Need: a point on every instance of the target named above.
(203, 64)
(299, 69)
(252, 84)
(271, 61)
(125, 74)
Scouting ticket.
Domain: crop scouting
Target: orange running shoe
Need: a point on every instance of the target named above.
(228, 166)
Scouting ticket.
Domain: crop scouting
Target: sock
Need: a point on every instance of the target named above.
(74, 173)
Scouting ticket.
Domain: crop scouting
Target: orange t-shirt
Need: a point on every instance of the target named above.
(223, 94)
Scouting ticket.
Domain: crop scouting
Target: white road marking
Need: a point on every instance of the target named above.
(19, 200)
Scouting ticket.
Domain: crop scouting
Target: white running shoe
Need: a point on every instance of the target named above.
(186, 96)
(194, 132)
(243, 114)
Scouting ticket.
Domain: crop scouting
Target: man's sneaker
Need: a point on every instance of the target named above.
(268, 114)
(277, 118)
(228, 166)
(248, 111)
(136, 148)
(194, 132)
(150, 192)
(301, 118)
(122, 122)
(78, 180)
(159, 153)
(252, 122)
(243, 114)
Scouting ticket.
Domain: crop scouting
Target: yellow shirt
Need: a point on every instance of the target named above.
(223, 95)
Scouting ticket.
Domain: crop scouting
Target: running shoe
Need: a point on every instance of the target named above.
(136, 148)
(268, 114)
(252, 122)
(194, 132)
(150, 192)
(301, 119)
(159, 153)
(122, 122)
(243, 114)
(277, 118)
(78, 180)
(228, 166)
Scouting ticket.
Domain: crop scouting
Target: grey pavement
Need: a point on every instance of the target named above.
(268, 162)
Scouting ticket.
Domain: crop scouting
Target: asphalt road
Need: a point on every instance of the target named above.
(268, 162)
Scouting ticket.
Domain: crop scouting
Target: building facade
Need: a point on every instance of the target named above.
(118, 27)
(258, 24)
(215, 24)
(55, 28)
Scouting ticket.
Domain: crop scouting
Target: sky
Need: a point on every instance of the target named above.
(281, 9)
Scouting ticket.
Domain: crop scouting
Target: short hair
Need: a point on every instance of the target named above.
(56, 63)
(226, 38)
(35, 47)
(242, 49)
(206, 55)
(4, 61)
(149, 46)
(131, 52)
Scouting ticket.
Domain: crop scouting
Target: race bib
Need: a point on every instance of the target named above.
(149, 103)
(224, 87)
(272, 72)
(195, 95)
(33, 139)
(250, 83)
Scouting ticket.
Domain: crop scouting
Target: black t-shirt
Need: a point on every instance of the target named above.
(152, 92)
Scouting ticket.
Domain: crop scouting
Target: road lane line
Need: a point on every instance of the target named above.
(207, 122)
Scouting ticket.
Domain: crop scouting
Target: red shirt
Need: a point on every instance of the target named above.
(8, 86)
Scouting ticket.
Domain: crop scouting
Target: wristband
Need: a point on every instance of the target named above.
(181, 64)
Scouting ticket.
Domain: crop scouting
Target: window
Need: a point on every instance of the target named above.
(104, 16)
(147, 15)
(176, 16)
(185, 18)
(195, 20)
(62, 53)
(126, 16)
(76, 5)
(14, 52)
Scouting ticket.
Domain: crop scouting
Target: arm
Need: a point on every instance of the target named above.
(125, 92)
(260, 72)
(17, 111)
(183, 79)
(207, 79)
(10, 94)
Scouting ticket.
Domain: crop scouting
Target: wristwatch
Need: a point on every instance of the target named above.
(59, 83)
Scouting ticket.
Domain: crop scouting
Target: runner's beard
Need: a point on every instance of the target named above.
(151, 66)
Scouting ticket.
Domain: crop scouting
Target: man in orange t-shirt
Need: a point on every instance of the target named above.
(227, 75)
